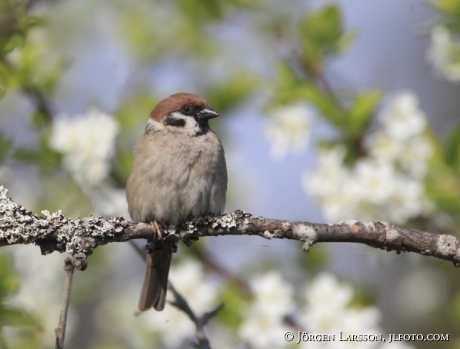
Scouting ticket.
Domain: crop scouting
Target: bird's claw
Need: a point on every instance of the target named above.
(158, 229)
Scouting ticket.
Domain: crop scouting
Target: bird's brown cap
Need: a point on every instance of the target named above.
(176, 102)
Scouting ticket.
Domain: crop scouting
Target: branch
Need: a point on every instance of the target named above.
(180, 303)
(60, 330)
(79, 237)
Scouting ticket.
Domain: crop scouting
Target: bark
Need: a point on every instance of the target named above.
(79, 237)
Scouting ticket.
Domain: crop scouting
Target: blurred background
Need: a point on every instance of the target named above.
(330, 111)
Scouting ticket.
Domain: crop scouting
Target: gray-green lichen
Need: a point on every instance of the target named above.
(230, 220)
(76, 236)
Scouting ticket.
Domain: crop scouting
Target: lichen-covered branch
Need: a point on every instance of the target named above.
(79, 237)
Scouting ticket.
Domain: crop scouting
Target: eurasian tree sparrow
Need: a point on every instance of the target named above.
(178, 173)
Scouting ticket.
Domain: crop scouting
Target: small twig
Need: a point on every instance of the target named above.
(315, 73)
(181, 304)
(60, 330)
(293, 323)
(42, 104)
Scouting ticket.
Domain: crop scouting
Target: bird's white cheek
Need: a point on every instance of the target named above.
(190, 122)
(154, 125)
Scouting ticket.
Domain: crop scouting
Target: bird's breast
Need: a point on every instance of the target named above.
(178, 180)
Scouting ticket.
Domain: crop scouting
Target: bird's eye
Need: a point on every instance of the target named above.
(186, 109)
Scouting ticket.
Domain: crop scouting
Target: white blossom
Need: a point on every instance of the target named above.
(87, 143)
(379, 191)
(328, 184)
(444, 54)
(402, 118)
(288, 130)
(414, 159)
(329, 175)
(401, 137)
(328, 311)
(411, 155)
(263, 325)
(367, 191)
(326, 289)
(407, 200)
(386, 184)
(273, 295)
(372, 181)
(263, 331)
(382, 146)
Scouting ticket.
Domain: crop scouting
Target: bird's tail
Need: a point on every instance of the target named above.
(156, 280)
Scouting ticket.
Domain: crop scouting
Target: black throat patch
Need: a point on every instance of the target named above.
(204, 127)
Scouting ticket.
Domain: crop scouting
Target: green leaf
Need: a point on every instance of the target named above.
(452, 150)
(286, 86)
(345, 41)
(362, 297)
(289, 90)
(5, 145)
(195, 11)
(12, 316)
(315, 259)
(448, 7)
(9, 280)
(134, 111)
(321, 34)
(33, 21)
(39, 120)
(15, 24)
(444, 191)
(324, 103)
(9, 283)
(442, 184)
(230, 315)
(121, 167)
(454, 309)
(7, 77)
(45, 157)
(361, 110)
(231, 92)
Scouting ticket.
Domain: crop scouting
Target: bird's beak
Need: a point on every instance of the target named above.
(206, 114)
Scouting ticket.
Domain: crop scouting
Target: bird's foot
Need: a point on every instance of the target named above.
(200, 219)
(157, 242)
(158, 229)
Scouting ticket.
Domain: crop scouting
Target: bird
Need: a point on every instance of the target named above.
(178, 173)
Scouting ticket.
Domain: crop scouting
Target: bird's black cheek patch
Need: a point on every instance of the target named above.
(172, 121)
